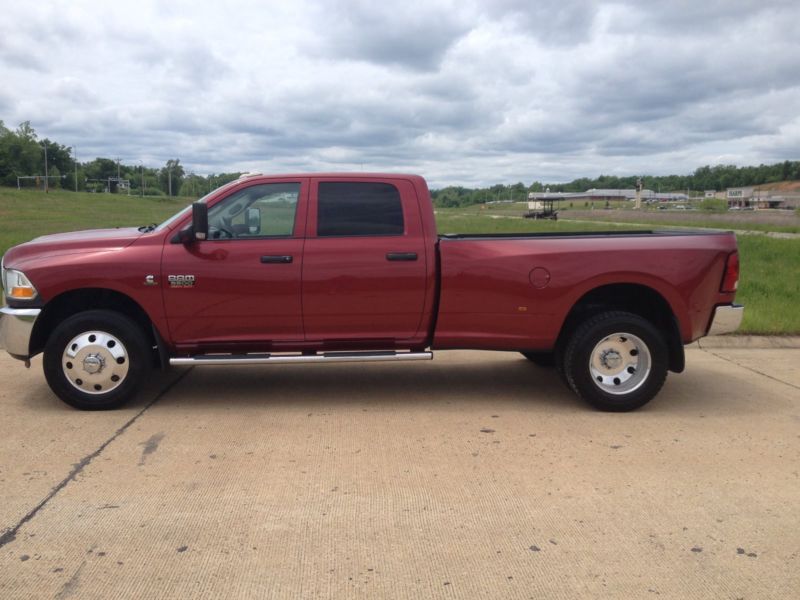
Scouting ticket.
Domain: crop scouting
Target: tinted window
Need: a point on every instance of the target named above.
(359, 208)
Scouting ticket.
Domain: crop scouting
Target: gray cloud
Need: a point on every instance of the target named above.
(465, 93)
(552, 21)
(415, 35)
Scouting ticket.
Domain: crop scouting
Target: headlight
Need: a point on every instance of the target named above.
(17, 286)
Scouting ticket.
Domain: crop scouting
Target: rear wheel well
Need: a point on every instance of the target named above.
(633, 298)
(69, 303)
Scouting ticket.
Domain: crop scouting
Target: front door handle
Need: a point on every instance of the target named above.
(277, 259)
(401, 256)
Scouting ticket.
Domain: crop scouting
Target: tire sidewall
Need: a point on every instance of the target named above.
(118, 325)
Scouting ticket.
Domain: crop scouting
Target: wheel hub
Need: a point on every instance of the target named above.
(611, 359)
(95, 362)
(620, 363)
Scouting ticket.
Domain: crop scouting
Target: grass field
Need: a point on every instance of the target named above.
(25, 214)
(783, 221)
(455, 221)
(770, 284)
(769, 287)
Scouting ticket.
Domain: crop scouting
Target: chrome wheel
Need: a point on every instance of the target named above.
(620, 363)
(95, 362)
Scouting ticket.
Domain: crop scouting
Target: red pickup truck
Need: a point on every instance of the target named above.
(320, 268)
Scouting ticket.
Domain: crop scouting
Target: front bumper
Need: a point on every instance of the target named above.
(16, 326)
(726, 319)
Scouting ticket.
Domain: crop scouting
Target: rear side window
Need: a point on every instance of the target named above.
(358, 208)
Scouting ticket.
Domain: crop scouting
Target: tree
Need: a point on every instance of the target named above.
(55, 178)
(171, 177)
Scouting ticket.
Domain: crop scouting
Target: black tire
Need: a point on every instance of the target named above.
(616, 361)
(541, 359)
(111, 359)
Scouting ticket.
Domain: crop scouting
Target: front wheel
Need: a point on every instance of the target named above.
(96, 360)
(616, 361)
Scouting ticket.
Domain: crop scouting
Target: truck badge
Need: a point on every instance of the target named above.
(150, 280)
(180, 281)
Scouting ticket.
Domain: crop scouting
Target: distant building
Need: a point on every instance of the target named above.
(602, 195)
(752, 197)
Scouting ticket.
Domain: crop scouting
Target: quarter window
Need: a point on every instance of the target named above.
(358, 208)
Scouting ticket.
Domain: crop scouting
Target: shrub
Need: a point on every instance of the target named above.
(713, 205)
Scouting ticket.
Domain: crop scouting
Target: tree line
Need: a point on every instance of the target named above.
(719, 177)
(22, 156)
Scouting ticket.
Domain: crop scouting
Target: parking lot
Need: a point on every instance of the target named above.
(476, 475)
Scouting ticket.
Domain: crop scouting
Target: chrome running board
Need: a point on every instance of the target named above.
(327, 357)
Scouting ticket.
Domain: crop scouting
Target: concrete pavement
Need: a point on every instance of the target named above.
(474, 476)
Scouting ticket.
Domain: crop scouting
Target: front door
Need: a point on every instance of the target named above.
(243, 284)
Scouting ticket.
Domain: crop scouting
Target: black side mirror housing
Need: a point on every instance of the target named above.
(253, 219)
(199, 221)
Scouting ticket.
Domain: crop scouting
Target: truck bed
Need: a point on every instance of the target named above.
(500, 291)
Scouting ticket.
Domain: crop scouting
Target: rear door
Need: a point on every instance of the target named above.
(364, 268)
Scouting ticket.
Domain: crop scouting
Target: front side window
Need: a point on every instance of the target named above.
(347, 208)
(265, 210)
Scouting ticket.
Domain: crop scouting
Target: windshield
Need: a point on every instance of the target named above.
(184, 212)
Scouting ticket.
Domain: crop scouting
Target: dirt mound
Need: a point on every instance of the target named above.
(782, 186)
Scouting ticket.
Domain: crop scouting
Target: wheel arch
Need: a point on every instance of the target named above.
(636, 298)
(72, 302)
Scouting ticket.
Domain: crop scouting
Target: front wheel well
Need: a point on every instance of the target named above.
(638, 299)
(69, 303)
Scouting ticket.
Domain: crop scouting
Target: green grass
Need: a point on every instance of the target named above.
(450, 221)
(769, 287)
(699, 220)
(26, 214)
(648, 216)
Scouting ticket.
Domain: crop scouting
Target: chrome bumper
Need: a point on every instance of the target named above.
(16, 325)
(726, 319)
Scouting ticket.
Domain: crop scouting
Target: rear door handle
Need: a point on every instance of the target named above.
(401, 256)
(277, 259)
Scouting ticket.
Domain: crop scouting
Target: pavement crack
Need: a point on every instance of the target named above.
(738, 364)
(10, 534)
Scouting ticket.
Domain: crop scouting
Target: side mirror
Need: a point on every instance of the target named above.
(199, 221)
(253, 220)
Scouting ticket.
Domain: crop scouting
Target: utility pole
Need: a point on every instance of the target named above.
(638, 204)
(142, 166)
(45, 168)
(75, 159)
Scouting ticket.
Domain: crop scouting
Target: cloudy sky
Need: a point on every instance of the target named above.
(466, 93)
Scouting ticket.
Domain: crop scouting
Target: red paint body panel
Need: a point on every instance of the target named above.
(488, 300)
(342, 293)
(237, 299)
(119, 264)
(351, 291)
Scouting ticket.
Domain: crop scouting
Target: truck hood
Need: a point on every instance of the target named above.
(73, 242)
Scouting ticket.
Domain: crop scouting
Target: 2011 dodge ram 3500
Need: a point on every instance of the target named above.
(333, 267)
